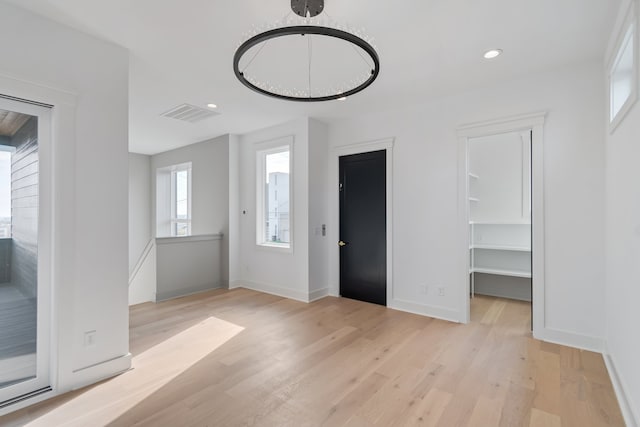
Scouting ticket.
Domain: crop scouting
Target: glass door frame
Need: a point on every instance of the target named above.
(42, 381)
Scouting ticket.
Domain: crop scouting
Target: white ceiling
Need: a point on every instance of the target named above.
(181, 52)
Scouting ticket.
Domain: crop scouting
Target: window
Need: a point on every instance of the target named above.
(274, 196)
(180, 202)
(173, 200)
(623, 73)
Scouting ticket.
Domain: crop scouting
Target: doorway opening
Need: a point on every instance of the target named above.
(363, 226)
(24, 278)
(499, 190)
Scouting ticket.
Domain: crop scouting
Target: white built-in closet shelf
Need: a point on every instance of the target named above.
(502, 248)
(473, 199)
(473, 175)
(500, 272)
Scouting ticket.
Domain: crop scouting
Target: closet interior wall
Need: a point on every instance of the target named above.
(500, 215)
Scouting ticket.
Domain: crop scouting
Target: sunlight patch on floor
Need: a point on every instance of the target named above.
(151, 371)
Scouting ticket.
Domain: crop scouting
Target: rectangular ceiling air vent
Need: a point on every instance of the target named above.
(189, 113)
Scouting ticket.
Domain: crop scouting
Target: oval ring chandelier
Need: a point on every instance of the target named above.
(256, 46)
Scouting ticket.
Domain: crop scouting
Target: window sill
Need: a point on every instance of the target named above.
(275, 247)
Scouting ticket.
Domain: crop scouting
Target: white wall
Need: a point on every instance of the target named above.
(210, 187)
(425, 208)
(234, 209)
(318, 209)
(91, 167)
(139, 206)
(188, 265)
(275, 270)
(623, 253)
(143, 284)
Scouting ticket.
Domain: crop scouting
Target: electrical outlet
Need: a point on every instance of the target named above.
(441, 291)
(90, 339)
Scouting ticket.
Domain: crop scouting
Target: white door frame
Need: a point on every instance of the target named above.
(334, 203)
(535, 122)
(44, 257)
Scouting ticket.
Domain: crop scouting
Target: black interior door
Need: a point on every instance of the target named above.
(363, 227)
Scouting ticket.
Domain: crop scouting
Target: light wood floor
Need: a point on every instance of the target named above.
(235, 358)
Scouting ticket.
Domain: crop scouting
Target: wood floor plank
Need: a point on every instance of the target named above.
(548, 383)
(428, 411)
(242, 358)
(487, 412)
(541, 418)
(518, 403)
(340, 412)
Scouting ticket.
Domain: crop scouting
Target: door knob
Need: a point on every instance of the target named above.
(341, 243)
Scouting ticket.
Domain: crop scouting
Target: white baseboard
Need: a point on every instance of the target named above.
(80, 378)
(396, 304)
(436, 312)
(235, 284)
(318, 294)
(271, 289)
(92, 374)
(631, 418)
(501, 295)
(570, 339)
(164, 296)
(442, 313)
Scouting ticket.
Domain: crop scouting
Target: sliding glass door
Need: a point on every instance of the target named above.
(25, 230)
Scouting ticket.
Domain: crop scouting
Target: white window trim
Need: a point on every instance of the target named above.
(262, 149)
(627, 32)
(174, 217)
(165, 215)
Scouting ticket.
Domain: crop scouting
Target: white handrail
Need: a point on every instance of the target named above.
(141, 260)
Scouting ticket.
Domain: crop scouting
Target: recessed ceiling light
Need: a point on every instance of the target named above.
(212, 106)
(493, 53)
(344, 98)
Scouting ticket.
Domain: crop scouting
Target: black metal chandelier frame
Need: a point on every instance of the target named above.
(304, 30)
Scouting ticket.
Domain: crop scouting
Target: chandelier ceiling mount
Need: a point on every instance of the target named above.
(307, 8)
